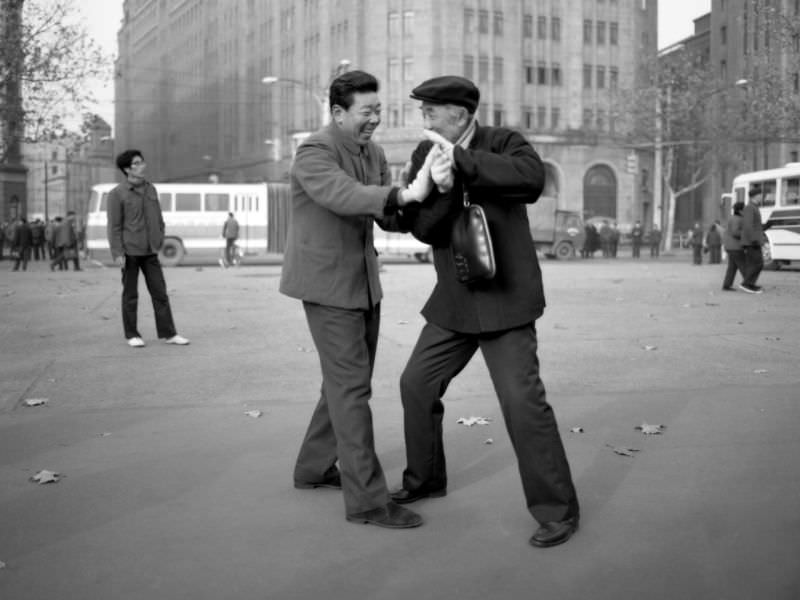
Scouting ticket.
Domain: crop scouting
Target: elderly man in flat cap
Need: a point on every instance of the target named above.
(497, 169)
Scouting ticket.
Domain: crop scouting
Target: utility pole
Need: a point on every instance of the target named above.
(46, 182)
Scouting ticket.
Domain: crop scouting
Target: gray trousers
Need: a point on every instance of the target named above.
(341, 425)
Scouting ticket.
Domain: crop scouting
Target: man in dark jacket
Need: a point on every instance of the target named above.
(21, 244)
(135, 234)
(752, 232)
(502, 173)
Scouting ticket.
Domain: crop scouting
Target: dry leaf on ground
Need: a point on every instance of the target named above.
(253, 413)
(470, 421)
(649, 429)
(623, 450)
(45, 476)
(35, 401)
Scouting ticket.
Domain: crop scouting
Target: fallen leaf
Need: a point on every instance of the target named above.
(253, 413)
(105, 434)
(650, 348)
(489, 441)
(577, 430)
(622, 450)
(648, 429)
(45, 476)
(760, 371)
(470, 421)
(35, 401)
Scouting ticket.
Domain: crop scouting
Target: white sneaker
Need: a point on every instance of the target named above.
(136, 342)
(178, 340)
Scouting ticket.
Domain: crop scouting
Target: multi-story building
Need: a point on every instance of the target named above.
(744, 43)
(62, 170)
(207, 87)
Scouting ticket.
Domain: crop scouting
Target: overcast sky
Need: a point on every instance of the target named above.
(102, 17)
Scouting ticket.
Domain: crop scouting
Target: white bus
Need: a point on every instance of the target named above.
(780, 210)
(194, 214)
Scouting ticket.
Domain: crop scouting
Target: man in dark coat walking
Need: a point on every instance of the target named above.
(497, 169)
(21, 244)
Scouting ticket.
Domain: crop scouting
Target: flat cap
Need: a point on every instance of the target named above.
(448, 89)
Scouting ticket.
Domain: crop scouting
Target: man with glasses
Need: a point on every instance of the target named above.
(135, 235)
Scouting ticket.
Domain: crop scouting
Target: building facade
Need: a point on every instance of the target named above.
(744, 43)
(207, 88)
(62, 170)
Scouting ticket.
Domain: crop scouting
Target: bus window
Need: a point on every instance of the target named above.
(187, 202)
(165, 200)
(217, 202)
(791, 191)
(103, 202)
(740, 196)
(768, 193)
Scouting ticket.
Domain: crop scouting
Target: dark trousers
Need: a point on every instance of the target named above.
(697, 254)
(23, 254)
(440, 355)
(229, 244)
(736, 262)
(754, 263)
(341, 425)
(715, 254)
(154, 278)
(636, 248)
(655, 250)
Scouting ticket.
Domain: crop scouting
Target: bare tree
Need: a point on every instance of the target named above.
(48, 58)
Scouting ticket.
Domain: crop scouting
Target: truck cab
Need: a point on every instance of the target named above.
(556, 233)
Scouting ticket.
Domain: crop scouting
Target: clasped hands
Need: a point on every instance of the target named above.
(437, 169)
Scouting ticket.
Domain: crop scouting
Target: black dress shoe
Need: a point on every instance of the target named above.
(554, 533)
(391, 516)
(404, 496)
(333, 481)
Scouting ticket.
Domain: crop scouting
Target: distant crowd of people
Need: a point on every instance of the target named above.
(59, 241)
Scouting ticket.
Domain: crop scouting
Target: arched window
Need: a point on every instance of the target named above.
(600, 192)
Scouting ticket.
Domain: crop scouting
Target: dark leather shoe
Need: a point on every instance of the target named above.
(554, 533)
(391, 516)
(404, 496)
(333, 481)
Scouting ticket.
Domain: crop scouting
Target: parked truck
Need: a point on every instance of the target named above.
(556, 233)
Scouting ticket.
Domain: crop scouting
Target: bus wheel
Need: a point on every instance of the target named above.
(564, 250)
(766, 255)
(171, 253)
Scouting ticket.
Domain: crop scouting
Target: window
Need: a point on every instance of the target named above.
(555, 29)
(601, 33)
(394, 69)
(541, 117)
(613, 33)
(394, 24)
(408, 23)
(408, 69)
(483, 21)
(793, 153)
(217, 202)
(587, 32)
(527, 26)
(541, 73)
(587, 77)
(483, 69)
(555, 75)
(723, 35)
(165, 200)
(541, 28)
(469, 20)
(528, 74)
(187, 202)
(796, 82)
(587, 118)
(791, 190)
(613, 78)
(498, 116)
(767, 191)
(723, 69)
(469, 67)
(601, 120)
(498, 70)
(555, 115)
(498, 23)
(527, 117)
(601, 77)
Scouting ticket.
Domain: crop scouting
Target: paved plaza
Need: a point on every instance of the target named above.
(169, 490)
